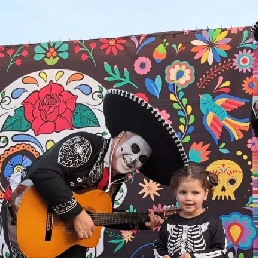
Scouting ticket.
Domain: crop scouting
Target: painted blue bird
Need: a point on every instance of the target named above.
(215, 116)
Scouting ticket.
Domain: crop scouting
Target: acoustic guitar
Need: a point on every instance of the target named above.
(38, 233)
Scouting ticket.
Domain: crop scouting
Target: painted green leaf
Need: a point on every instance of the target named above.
(100, 88)
(2, 94)
(176, 106)
(119, 246)
(126, 74)
(116, 71)
(63, 47)
(241, 255)
(51, 60)
(89, 256)
(191, 119)
(108, 68)
(63, 55)
(186, 138)
(17, 122)
(83, 116)
(245, 35)
(184, 101)
(253, 46)
(222, 145)
(116, 241)
(120, 84)
(116, 202)
(3, 141)
(110, 79)
(40, 50)
(182, 120)
(38, 57)
(104, 133)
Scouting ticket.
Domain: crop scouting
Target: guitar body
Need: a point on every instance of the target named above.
(39, 233)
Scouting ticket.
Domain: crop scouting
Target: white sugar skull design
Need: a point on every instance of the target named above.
(131, 154)
(230, 176)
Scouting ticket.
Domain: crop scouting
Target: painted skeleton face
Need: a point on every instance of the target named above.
(130, 154)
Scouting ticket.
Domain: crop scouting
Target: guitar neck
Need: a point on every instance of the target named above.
(105, 219)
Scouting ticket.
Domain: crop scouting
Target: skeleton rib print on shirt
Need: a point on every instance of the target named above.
(202, 237)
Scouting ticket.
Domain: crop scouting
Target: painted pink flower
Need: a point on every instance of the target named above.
(252, 144)
(165, 115)
(235, 30)
(142, 65)
(244, 61)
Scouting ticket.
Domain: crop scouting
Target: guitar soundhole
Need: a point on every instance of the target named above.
(49, 224)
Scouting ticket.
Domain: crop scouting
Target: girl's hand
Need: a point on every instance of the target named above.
(185, 255)
(154, 222)
(166, 256)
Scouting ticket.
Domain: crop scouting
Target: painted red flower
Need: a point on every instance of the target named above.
(18, 61)
(93, 45)
(112, 45)
(10, 51)
(50, 109)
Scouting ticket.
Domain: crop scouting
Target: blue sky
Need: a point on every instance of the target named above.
(33, 21)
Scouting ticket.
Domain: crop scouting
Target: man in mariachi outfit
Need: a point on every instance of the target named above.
(140, 140)
(254, 113)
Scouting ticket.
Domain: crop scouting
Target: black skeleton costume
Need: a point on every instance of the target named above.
(254, 112)
(83, 160)
(202, 236)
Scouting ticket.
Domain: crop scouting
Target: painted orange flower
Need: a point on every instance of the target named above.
(250, 85)
(150, 188)
(127, 235)
(112, 45)
(199, 152)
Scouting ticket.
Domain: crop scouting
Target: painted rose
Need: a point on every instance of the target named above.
(50, 109)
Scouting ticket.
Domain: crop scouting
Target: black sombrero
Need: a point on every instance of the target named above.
(254, 31)
(124, 111)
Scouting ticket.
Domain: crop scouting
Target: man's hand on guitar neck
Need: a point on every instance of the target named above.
(84, 225)
(154, 222)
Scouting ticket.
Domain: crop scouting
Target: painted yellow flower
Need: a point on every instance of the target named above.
(127, 236)
(150, 188)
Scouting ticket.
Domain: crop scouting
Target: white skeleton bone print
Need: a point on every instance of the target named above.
(184, 238)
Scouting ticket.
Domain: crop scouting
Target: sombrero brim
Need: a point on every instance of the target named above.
(254, 31)
(124, 111)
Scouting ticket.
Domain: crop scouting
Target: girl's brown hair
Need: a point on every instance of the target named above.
(208, 180)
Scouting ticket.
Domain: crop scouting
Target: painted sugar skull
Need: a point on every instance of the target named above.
(131, 153)
(230, 177)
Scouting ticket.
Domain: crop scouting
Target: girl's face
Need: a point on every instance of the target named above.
(190, 196)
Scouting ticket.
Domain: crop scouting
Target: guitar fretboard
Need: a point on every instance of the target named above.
(104, 219)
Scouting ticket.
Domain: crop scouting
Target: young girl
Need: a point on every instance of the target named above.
(193, 232)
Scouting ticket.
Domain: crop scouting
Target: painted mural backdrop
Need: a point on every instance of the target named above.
(202, 82)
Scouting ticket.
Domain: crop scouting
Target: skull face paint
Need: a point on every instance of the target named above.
(131, 153)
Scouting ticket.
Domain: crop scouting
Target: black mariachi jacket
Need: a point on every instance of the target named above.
(74, 163)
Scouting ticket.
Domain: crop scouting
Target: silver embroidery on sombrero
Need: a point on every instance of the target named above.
(157, 115)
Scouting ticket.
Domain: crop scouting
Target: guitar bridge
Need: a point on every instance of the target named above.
(49, 224)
